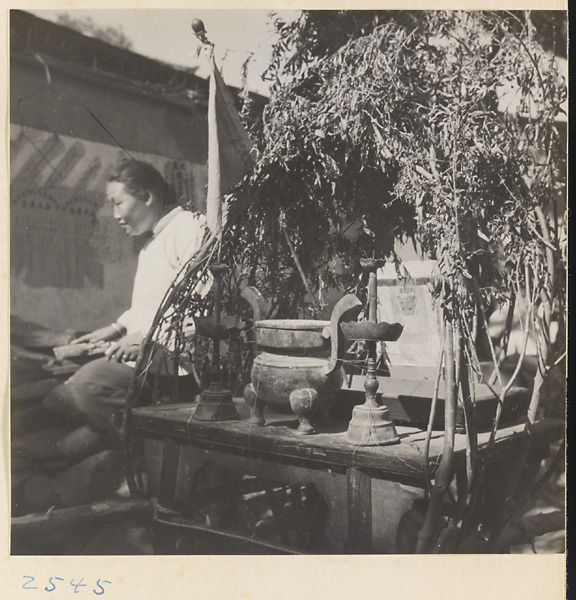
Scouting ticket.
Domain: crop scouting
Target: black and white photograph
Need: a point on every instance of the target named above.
(285, 282)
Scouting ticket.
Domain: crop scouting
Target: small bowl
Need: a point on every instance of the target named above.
(366, 330)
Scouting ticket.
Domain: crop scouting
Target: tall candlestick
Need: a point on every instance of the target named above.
(371, 424)
(216, 403)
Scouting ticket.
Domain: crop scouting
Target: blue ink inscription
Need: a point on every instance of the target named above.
(26, 586)
(100, 586)
(97, 590)
(52, 583)
(77, 585)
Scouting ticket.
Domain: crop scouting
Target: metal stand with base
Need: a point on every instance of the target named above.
(216, 402)
(371, 424)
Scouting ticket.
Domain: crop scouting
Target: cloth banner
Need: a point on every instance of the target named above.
(229, 149)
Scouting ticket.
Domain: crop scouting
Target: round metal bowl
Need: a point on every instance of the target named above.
(292, 334)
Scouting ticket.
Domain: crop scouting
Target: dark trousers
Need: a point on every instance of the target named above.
(99, 389)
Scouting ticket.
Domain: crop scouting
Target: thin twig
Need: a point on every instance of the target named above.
(425, 465)
(444, 473)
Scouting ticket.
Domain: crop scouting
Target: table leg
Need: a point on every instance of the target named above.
(359, 486)
(168, 476)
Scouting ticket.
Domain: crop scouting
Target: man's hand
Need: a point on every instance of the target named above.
(125, 349)
(104, 334)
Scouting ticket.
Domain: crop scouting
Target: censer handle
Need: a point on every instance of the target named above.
(255, 299)
(347, 308)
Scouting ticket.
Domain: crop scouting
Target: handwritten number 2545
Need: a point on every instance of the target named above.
(98, 590)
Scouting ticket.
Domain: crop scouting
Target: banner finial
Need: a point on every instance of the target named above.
(199, 30)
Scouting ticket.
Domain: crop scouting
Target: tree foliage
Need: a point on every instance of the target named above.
(392, 119)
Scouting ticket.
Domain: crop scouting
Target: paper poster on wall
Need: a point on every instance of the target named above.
(408, 300)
